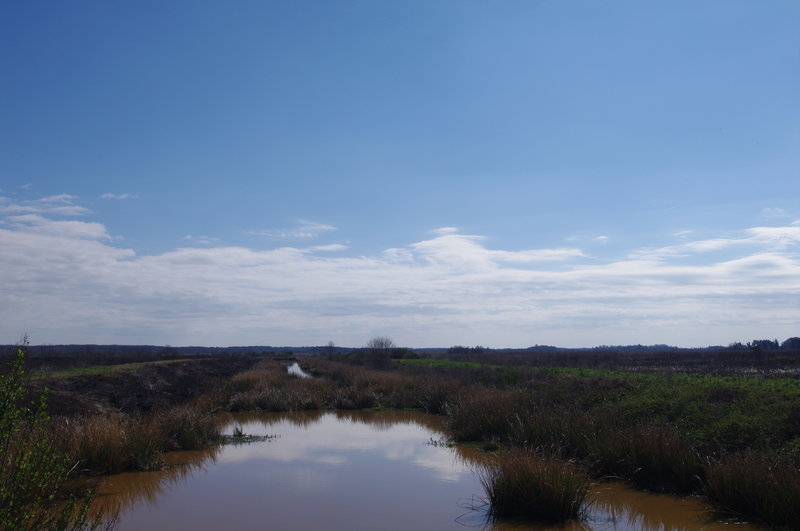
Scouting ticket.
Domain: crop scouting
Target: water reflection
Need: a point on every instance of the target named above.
(350, 470)
(620, 507)
(119, 492)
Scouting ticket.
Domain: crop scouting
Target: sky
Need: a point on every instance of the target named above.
(509, 173)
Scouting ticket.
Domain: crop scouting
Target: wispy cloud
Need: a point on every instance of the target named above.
(62, 205)
(63, 199)
(766, 237)
(303, 230)
(119, 196)
(202, 240)
(64, 229)
(66, 281)
(329, 248)
(776, 213)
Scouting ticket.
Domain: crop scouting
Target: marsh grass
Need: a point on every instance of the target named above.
(663, 460)
(756, 485)
(482, 416)
(185, 428)
(117, 442)
(109, 444)
(535, 486)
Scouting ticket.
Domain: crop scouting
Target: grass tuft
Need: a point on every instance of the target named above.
(535, 486)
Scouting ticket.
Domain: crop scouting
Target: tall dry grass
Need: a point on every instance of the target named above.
(535, 486)
(108, 444)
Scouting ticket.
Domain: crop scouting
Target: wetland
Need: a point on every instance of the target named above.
(497, 441)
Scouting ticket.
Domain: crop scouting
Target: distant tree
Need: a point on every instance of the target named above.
(330, 349)
(763, 344)
(380, 345)
(379, 351)
(792, 342)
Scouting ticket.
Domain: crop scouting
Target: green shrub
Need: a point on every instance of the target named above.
(32, 473)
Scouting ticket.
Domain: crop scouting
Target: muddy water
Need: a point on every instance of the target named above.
(350, 471)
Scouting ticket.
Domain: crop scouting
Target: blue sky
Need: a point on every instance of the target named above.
(451, 172)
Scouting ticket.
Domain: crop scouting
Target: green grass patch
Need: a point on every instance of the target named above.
(106, 370)
(442, 363)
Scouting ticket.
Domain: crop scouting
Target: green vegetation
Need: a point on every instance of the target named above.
(33, 473)
(102, 369)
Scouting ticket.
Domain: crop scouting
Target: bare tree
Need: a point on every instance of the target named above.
(380, 345)
(379, 351)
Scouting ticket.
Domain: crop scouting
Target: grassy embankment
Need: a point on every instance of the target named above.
(114, 418)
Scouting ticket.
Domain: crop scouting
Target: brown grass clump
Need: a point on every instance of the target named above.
(535, 486)
(110, 443)
(118, 442)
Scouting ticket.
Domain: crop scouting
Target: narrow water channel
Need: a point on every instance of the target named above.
(351, 471)
(295, 369)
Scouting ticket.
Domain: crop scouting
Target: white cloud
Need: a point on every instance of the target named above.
(65, 229)
(202, 240)
(600, 239)
(775, 237)
(109, 195)
(775, 213)
(303, 230)
(64, 199)
(62, 204)
(65, 281)
(329, 248)
(771, 237)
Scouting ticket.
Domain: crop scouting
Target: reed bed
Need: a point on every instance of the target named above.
(113, 443)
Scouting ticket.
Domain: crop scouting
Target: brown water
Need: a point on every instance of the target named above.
(351, 471)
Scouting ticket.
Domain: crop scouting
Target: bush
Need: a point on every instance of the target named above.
(32, 473)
